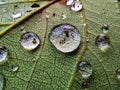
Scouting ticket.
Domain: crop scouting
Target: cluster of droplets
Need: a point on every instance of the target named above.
(75, 5)
(102, 40)
(86, 70)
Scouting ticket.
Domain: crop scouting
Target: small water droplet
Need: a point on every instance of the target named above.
(65, 37)
(3, 54)
(35, 5)
(47, 15)
(105, 28)
(63, 16)
(4, 10)
(53, 15)
(15, 68)
(15, 6)
(16, 15)
(85, 69)
(23, 29)
(1, 82)
(103, 42)
(84, 85)
(69, 2)
(29, 41)
(28, 11)
(76, 6)
(118, 73)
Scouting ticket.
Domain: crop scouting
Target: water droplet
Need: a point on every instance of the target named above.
(28, 11)
(4, 10)
(2, 2)
(118, 73)
(16, 15)
(65, 37)
(23, 30)
(47, 15)
(103, 42)
(85, 69)
(35, 5)
(29, 41)
(1, 82)
(3, 54)
(105, 28)
(84, 85)
(63, 16)
(76, 6)
(53, 15)
(15, 68)
(69, 2)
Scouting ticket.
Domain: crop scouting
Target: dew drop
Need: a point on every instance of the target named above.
(35, 5)
(29, 41)
(63, 16)
(1, 82)
(103, 42)
(3, 55)
(118, 73)
(16, 15)
(15, 68)
(2, 2)
(105, 28)
(65, 37)
(76, 6)
(47, 15)
(85, 69)
(69, 2)
(84, 85)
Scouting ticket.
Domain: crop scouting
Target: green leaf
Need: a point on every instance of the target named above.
(46, 68)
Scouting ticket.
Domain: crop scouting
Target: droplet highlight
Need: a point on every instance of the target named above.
(16, 15)
(65, 37)
(3, 54)
(29, 41)
(105, 28)
(69, 2)
(103, 42)
(76, 6)
(15, 68)
(85, 69)
(2, 2)
(84, 85)
(1, 82)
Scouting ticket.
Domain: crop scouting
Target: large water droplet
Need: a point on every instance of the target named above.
(84, 85)
(15, 68)
(29, 41)
(16, 15)
(85, 69)
(69, 2)
(118, 73)
(3, 54)
(103, 42)
(105, 28)
(65, 37)
(1, 82)
(76, 6)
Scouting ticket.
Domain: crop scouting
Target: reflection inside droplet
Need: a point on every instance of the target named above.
(3, 54)
(103, 42)
(16, 15)
(30, 41)
(76, 6)
(85, 69)
(65, 37)
(69, 2)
